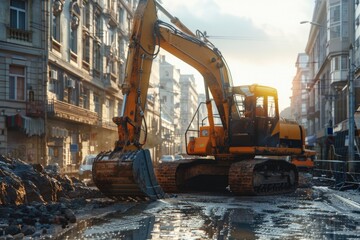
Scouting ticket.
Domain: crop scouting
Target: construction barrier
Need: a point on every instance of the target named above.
(341, 173)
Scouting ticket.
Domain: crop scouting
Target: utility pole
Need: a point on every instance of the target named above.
(351, 108)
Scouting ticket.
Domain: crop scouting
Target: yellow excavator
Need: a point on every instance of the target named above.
(236, 147)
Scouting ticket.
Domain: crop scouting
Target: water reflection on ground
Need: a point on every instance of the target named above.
(225, 217)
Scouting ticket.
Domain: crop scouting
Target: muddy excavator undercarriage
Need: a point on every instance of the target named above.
(239, 152)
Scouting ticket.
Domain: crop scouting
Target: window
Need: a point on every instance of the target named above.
(339, 63)
(344, 62)
(54, 85)
(73, 40)
(335, 64)
(260, 110)
(338, 19)
(86, 98)
(271, 107)
(97, 105)
(335, 19)
(122, 16)
(56, 28)
(96, 56)
(242, 106)
(112, 66)
(75, 21)
(17, 83)
(86, 48)
(97, 26)
(110, 110)
(72, 91)
(86, 14)
(17, 14)
(56, 13)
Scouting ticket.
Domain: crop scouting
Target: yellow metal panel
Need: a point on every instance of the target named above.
(200, 146)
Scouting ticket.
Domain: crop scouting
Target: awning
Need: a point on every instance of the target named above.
(31, 126)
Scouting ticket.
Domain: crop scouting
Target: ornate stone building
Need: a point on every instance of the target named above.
(61, 67)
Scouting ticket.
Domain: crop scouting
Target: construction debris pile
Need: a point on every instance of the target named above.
(33, 199)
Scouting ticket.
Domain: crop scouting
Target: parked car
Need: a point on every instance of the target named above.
(178, 157)
(52, 168)
(167, 158)
(85, 169)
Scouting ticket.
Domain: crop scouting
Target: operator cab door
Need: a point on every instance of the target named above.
(254, 121)
(266, 121)
(242, 124)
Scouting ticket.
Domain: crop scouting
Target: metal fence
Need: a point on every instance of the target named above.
(342, 174)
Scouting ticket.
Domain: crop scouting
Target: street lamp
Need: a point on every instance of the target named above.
(312, 23)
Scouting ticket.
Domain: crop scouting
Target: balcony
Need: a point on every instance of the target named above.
(110, 82)
(108, 125)
(19, 34)
(111, 15)
(66, 111)
(339, 78)
(35, 109)
(56, 45)
(73, 56)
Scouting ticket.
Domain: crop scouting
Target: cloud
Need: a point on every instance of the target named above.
(260, 39)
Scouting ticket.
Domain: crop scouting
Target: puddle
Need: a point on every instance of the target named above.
(231, 218)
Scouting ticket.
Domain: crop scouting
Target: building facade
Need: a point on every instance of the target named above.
(300, 95)
(61, 70)
(188, 107)
(23, 74)
(329, 48)
(169, 92)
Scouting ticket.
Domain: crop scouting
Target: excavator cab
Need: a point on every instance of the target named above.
(254, 118)
(252, 122)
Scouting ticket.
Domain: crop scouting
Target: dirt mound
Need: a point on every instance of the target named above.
(32, 199)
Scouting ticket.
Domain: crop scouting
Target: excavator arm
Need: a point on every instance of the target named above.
(148, 35)
(136, 83)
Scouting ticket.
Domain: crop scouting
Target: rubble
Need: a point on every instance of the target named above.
(33, 200)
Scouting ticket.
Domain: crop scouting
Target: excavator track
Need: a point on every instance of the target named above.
(246, 177)
(166, 174)
(262, 177)
(126, 176)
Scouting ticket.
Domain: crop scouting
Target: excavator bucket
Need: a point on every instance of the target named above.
(126, 175)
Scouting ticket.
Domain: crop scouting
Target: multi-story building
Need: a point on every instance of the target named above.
(87, 49)
(330, 36)
(152, 115)
(61, 69)
(188, 106)
(300, 94)
(202, 107)
(23, 74)
(170, 106)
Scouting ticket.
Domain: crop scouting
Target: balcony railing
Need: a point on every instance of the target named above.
(35, 108)
(19, 34)
(66, 111)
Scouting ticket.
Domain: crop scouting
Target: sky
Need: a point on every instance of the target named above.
(260, 40)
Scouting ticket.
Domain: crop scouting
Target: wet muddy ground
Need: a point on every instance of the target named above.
(310, 213)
